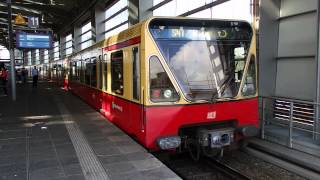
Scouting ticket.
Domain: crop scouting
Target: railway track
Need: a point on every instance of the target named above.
(204, 169)
(226, 170)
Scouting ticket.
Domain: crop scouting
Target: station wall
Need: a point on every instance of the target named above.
(288, 48)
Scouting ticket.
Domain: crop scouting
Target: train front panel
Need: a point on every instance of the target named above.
(201, 83)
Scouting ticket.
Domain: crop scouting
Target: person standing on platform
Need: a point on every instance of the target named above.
(35, 74)
(24, 75)
(4, 79)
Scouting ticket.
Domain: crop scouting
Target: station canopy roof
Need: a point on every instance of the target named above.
(52, 14)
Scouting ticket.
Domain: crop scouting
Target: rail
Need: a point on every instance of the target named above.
(205, 168)
(297, 117)
(226, 170)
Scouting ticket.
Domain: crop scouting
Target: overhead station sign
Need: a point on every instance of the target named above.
(34, 41)
(19, 20)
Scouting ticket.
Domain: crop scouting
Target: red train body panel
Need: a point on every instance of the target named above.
(161, 121)
(127, 115)
(166, 121)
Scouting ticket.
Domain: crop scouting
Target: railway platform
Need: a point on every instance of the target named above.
(302, 163)
(51, 134)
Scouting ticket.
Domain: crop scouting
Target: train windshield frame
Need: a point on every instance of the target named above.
(206, 57)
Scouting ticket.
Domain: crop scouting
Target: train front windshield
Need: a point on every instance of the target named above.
(207, 57)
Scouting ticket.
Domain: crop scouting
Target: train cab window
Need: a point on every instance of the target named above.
(239, 56)
(105, 71)
(135, 74)
(93, 72)
(249, 87)
(161, 88)
(117, 72)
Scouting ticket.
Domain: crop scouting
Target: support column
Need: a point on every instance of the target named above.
(77, 38)
(11, 49)
(62, 48)
(317, 100)
(99, 20)
(144, 6)
(133, 8)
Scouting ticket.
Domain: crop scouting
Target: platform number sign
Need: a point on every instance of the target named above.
(33, 22)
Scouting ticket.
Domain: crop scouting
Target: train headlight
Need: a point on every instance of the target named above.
(169, 142)
(167, 93)
(215, 139)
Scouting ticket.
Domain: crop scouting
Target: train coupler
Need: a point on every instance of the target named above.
(216, 138)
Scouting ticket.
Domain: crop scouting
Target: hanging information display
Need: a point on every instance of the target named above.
(33, 40)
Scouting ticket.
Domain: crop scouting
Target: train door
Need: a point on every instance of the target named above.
(136, 108)
(99, 72)
(119, 106)
(106, 98)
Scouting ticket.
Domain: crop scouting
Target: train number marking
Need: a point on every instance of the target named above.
(211, 115)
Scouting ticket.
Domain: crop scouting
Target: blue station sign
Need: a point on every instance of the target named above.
(34, 41)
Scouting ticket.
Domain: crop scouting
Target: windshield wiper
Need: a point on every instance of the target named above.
(223, 86)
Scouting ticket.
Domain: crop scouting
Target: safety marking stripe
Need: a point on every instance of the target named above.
(91, 167)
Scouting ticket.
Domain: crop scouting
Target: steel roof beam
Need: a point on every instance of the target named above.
(21, 8)
(4, 13)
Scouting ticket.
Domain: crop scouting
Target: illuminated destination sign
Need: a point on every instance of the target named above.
(34, 41)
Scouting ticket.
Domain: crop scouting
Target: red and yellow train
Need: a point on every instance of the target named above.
(173, 82)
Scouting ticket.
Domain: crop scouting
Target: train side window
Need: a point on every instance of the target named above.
(93, 72)
(82, 71)
(73, 74)
(87, 71)
(100, 72)
(161, 88)
(78, 70)
(117, 72)
(136, 73)
(249, 87)
(105, 71)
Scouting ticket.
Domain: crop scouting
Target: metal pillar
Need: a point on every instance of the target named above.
(11, 48)
(316, 121)
(290, 126)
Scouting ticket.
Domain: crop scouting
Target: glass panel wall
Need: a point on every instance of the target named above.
(56, 51)
(86, 35)
(116, 18)
(233, 9)
(68, 45)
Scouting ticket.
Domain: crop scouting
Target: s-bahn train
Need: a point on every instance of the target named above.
(173, 82)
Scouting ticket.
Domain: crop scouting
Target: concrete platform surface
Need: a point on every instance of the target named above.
(50, 134)
(294, 156)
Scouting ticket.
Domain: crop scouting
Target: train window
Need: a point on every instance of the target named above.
(93, 72)
(69, 69)
(117, 72)
(161, 88)
(78, 70)
(105, 71)
(82, 71)
(87, 72)
(136, 74)
(100, 72)
(73, 74)
(249, 87)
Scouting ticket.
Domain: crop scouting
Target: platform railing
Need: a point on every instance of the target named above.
(292, 116)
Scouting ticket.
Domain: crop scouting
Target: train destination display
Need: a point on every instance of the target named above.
(34, 41)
